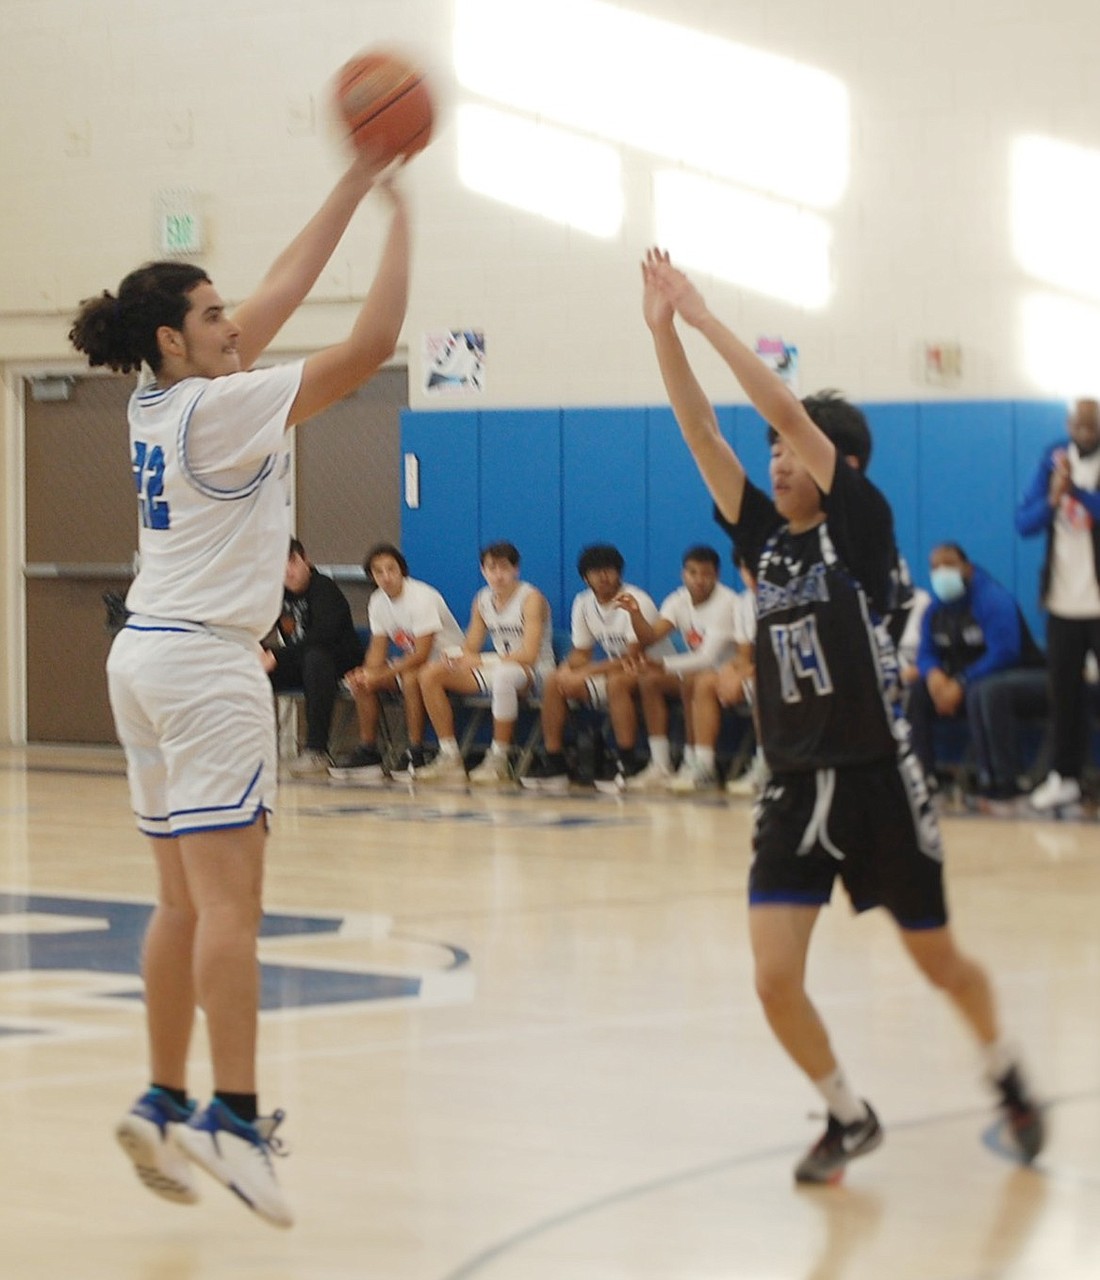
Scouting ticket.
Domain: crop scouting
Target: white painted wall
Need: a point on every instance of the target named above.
(107, 103)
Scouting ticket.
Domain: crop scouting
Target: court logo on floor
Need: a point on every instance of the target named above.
(61, 956)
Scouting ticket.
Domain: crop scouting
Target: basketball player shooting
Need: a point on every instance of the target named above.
(191, 703)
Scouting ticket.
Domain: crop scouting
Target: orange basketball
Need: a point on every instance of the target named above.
(386, 106)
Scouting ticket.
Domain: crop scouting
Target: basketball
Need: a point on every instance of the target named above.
(385, 104)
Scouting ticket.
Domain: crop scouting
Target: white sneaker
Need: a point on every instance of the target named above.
(145, 1134)
(492, 771)
(744, 787)
(444, 768)
(308, 764)
(653, 777)
(1055, 792)
(363, 768)
(239, 1156)
(695, 779)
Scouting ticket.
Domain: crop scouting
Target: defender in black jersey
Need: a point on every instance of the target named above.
(847, 798)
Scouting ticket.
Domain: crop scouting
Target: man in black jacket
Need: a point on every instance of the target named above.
(320, 644)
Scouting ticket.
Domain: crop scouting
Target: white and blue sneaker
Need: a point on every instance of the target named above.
(239, 1155)
(145, 1134)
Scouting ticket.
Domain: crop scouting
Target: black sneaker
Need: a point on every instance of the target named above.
(547, 773)
(616, 772)
(827, 1159)
(363, 767)
(1022, 1113)
(411, 759)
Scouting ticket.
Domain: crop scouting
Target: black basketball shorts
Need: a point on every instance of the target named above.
(873, 826)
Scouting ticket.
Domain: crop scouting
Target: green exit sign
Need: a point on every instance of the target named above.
(179, 227)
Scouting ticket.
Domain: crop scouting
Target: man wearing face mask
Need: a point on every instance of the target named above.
(976, 658)
(1062, 501)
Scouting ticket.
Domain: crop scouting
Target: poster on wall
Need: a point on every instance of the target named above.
(777, 355)
(454, 362)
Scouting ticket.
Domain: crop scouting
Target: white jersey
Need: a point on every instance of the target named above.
(711, 630)
(505, 626)
(211, 465)
(609, 628)
(1073, 591)
(418, 611)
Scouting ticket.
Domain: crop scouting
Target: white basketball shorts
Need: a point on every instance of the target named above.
(194, 714)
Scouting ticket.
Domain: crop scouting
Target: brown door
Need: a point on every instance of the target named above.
(81, 528)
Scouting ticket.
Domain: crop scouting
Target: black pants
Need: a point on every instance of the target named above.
(994, 707)
(317, 673)
(1069, 640)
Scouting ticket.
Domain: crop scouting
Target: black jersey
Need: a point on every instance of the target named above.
(826, 669)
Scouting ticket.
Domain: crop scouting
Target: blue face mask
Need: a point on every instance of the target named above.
(948, 584)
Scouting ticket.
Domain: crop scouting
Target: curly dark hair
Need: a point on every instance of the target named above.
(121, 332)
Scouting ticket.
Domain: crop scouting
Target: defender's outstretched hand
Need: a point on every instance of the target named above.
(656, 308)
(674, 287)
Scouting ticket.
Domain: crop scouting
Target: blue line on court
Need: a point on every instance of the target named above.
(477, 1264)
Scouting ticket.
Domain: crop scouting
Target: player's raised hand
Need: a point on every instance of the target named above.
(657, 310)
(676, 288)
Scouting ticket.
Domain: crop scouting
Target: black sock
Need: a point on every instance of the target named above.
(243, 1105)
(178, 1096)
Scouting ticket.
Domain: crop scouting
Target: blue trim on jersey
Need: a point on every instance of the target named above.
(208, 490)
(152, 394)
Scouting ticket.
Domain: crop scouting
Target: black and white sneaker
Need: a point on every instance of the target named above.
(1023, 1115)
(827, 1159)
(363, 768)
(412, 759)
(547, 773)
(617, 772)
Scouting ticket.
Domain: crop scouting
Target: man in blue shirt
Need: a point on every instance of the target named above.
(976, 658)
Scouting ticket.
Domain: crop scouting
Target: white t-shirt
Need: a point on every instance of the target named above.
(418, 611)
(909, 644)
(211, 466)
(1073, 591)
(505, 626)
(607, 627)
(711, 630)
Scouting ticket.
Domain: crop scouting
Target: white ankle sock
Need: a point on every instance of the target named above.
(999, 1058)
(448, 746)
(839, 1098)
(659, 753)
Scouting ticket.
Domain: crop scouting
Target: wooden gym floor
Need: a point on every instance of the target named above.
(516, 1039)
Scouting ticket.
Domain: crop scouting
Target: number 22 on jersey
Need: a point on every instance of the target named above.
(148, 468)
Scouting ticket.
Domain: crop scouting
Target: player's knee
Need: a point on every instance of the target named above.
(778, 986)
